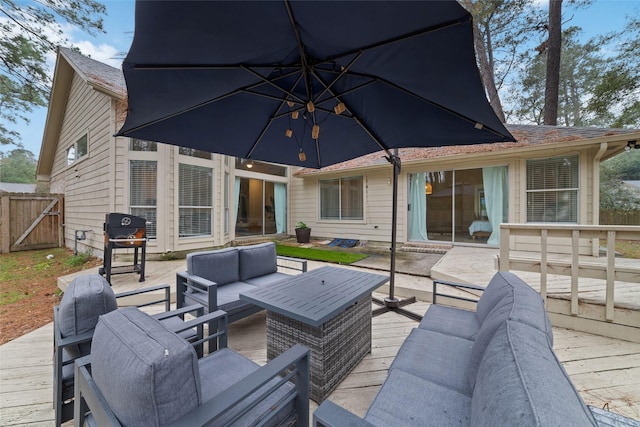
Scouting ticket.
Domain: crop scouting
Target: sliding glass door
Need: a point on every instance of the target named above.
(465, 205)
(261, 207)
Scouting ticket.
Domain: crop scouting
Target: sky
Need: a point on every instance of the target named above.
(601, 17)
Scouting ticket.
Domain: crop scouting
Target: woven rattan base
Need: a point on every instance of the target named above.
(337, 346)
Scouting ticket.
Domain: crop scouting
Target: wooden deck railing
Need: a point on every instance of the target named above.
(569, 259)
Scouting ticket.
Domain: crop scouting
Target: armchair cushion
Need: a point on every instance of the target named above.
(221, 266)
(451, 321)
(267, 279)
(257, 260)
(86, 298)
(147, 374)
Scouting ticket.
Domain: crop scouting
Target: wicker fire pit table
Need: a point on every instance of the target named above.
(327, 310)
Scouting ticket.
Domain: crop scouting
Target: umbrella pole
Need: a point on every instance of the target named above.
(391, 303)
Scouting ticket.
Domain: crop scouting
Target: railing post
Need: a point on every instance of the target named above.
(504, 248)
(611, 275)
(575, 270)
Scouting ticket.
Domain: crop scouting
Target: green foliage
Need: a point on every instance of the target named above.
(19, 166)
(301, 224)
(613, 194)
(319, 254)
(78, 260)
(30, 30)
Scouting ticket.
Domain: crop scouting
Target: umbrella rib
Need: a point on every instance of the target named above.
(269, 82)
(303, 57)
(342, 73)
(366, 128)
(417, 33)
(435, 104)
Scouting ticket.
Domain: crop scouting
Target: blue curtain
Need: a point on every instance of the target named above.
(418, 212)
(237, 197)
(280, 197)
(495, 181)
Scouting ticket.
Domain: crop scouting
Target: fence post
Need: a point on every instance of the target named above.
(5, 224)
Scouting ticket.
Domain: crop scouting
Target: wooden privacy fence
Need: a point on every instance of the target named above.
(620, 217)
(30, 221)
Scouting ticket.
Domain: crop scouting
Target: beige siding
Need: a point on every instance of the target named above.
(85, 183)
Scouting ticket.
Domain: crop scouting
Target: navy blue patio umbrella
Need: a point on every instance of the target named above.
(307, 83)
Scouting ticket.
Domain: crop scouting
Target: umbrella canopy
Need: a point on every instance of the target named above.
(307, 83)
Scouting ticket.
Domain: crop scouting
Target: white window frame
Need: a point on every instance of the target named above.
(74, 149)
(555, 192)
(181, 233)
(340, 216)
(151, 230)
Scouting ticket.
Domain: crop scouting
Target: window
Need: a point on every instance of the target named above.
(140, 145)
(77, 150)
(142, 192)
(341, 198)
(195, 200)
(192, 152)
(71, 154)
(552, 189)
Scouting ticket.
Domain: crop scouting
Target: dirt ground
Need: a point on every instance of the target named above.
(28, 287)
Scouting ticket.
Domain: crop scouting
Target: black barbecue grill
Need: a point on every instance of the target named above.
(122, 231)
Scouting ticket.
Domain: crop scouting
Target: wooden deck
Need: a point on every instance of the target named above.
(604, 370)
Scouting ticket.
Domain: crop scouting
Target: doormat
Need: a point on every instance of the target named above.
(343, 243)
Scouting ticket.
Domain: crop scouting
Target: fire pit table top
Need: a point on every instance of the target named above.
(317, 295)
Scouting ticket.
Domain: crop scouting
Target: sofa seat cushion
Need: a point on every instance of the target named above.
(147, 374)
(451, 321)
(267, 279)
(406, 400)
(228, 296)
(221, 266)
(215, 380)
(85, 299)
(257, 260)
(439, 358)
(521, 382)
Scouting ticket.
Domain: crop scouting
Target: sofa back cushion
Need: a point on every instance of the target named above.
(221, 266)
(148, 375)
(520, 303)
(257, 260)
(87, 297)
(521, 382)
(497, 289)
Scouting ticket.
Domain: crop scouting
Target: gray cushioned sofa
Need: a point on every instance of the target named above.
(491, 367)
(216, 278)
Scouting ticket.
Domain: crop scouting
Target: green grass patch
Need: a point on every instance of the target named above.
(11, 297)
(319, 254)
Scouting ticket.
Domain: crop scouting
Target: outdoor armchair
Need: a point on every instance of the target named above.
(140, 373)
(74, 320)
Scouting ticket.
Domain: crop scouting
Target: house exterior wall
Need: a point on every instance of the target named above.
(85, 183)
(376, 225)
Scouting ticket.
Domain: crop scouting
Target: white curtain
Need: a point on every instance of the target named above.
(495, 182)
(280, 198)
(418, 211)
(237, 194)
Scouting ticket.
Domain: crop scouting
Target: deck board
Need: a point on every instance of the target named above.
(604, 370)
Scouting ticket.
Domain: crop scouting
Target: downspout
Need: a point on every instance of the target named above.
(595, 220)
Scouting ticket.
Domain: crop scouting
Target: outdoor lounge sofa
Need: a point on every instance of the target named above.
(491, 367)
(85, 299)
(216, 278)
(140, 373)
